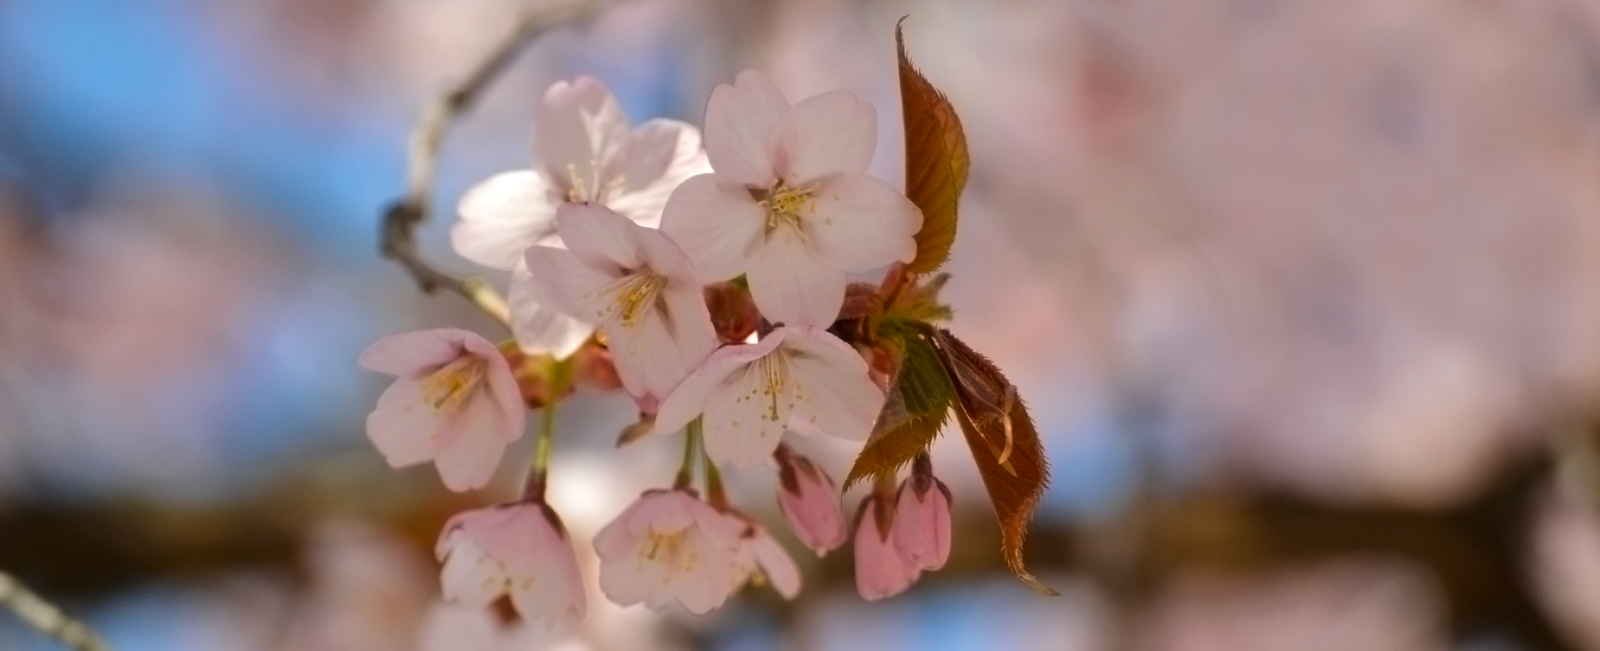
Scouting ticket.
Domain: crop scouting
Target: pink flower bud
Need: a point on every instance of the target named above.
(808, 499)
(880, 571)
(517, 549)
(922, 522)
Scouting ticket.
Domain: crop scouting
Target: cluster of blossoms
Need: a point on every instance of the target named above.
(704, 282)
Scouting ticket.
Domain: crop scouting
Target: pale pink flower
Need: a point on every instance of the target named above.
(517, 549)
(636, 285)
(668, 546)
(454, 401)
(809, 500)
(761, 559)
(789, 203)
(585, 153)
(922, 522)
(880, 571)
(800, 378)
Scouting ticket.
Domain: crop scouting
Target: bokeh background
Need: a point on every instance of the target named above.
(1305, 296)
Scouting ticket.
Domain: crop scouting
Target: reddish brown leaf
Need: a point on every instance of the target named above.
(1004, 443)
(936, 161)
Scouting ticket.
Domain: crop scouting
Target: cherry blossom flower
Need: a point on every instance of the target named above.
(800, 378)
(789, 203)
(636, 285)
(807, 497)
(585, 153)
(668, 546)
(880, 570)
(517, 549)
(761, 559)
(454, 402)
(922, 521)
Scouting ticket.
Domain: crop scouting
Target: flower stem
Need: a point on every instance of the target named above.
(714, 493)
(560, 376)
(691, 445)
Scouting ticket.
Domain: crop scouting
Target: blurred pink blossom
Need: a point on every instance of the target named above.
(520, 550)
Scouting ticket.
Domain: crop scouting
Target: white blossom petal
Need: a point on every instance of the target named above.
(861, 223)
(840, 399)
(776, 564)
(739, 123)
(662, 155)
(742, 425)
(540, 329)
(690, 398)
(503, 216)
(716, 222)
(600, 236)
(470, 444)
(469, 577)
(580, 126)
(792, 287)
(824, 135)
(402, 426)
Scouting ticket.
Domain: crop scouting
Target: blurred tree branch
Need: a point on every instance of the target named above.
(46, 618)
(402, 218)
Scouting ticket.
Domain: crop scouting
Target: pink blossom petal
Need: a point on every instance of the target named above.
(540, 329)
(880, 572)
(663, 154)
(922, 523)
(402, 426)
(689, 399)
(562, 281)
(824, 135)
(648, 358)
(504, 215)
(469, 577)
(668, 547)
(841, 399)
(413, 353)
(580, 126)
(469, 460)
(599, 235)
(739, 123)
(742, 425)
(775, 563)
(717, 222)
(792, 287)
(860, 223)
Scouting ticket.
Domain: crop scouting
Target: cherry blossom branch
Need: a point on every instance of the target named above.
(402, 218)
(46, 618)
(560, 378)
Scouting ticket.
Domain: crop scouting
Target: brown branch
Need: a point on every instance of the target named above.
(46, 618)
(402, 218)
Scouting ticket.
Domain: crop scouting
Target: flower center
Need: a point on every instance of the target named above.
(787, 205)
(446, 389)
(590, 188)
(671, 550)
(772, 377)
(632, 296)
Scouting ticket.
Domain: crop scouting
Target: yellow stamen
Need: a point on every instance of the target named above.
(788, 205)
(632, 297)
(446, 389)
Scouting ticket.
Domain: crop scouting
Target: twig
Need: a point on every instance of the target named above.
(402, 218)
(46, 618)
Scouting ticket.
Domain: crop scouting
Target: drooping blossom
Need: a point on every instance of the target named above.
(789, 203)
(454, 402)
(636, 285)
(922, 519)
(585, 153)
(760, 558)
(668, 546)
(521, 550)
(880, 570)
(799, 378)
(808, 499)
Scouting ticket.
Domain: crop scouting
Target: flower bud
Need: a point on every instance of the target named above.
(922, 522)
(880, 571)
(809, 501)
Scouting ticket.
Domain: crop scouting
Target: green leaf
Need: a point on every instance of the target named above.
(1004, 443)
(913, 413)
(936, 161)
